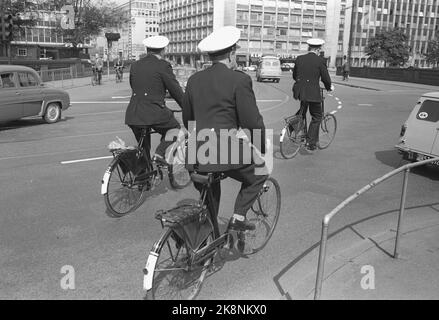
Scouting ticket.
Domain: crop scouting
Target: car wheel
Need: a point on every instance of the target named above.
(53, 113)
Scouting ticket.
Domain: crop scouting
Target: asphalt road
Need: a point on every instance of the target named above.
(52, 213)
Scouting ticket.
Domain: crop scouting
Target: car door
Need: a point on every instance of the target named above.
(11, 106)
(31, 93)
(422, 128)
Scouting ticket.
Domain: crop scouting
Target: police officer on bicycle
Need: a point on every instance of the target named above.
(220, 98)
(150, 77)
(309, 69)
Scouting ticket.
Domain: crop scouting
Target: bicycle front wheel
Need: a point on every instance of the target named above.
(328, 127)
(264, 214)
(123, 191)
(290, 142)
(173, 277)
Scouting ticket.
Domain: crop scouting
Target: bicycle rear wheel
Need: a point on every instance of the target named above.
(125, 192)
(173, 277)
(264, 214)
(290, 142)
(328, 127)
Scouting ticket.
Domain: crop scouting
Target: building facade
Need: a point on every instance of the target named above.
(42, 41)
(279, 27)
(187, 22)
(143, 17)
(418, 18)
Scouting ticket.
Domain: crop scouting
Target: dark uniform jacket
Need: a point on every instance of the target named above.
(149, 79)
(308, 70)
(221, 98)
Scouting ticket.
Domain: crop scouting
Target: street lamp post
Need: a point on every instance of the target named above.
(351, 32)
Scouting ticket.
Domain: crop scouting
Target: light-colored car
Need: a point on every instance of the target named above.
(22, 94)
(182, 74)
(269, 68)
(419, 137)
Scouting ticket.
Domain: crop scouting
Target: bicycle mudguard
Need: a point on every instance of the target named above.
(105, 179)
(282, 134)
(148, 272)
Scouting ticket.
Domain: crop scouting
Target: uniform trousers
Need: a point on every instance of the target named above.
(315, 109)
(251, 184)
(162, 129)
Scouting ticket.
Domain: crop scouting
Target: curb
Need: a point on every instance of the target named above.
(355, 86)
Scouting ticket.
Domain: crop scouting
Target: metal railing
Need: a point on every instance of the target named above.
(325, 223)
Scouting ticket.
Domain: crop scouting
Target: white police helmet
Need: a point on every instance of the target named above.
(315, 42)
(156, 42)
(220, 39)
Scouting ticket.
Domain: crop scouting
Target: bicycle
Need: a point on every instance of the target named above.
(94, 77)
(132, 173)
(180, 260)
(119, 74)
(294, 133)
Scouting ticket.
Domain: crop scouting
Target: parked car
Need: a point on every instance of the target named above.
(269, 68)
(182, 74)
(250, 68)
(23, 94)
(206, 65)
(419, 137)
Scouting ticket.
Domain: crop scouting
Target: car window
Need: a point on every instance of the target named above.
(7, 80)
(27, 79)
(429, 111)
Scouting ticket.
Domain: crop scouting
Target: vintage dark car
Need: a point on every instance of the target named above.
(22, 94)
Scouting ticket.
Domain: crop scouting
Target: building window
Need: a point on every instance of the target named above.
(22, 52)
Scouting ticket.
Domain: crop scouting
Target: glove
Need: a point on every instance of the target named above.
(332, 88)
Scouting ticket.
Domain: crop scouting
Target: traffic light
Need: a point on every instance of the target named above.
(8, 25)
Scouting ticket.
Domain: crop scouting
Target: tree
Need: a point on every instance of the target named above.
(432, 55)
(84, 19)
(390, 46)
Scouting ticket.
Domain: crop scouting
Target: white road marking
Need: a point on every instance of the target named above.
(336, 98)
(45, 154)
(126, 101)
(120, 97)
(85, 160)
(365, 105)
(333, 112)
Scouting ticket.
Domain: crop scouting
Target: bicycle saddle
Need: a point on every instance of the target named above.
(207, 179)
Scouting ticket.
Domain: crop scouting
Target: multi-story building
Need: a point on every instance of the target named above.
(279, 27)
(143, 16)
(187, 22)
(418, 18)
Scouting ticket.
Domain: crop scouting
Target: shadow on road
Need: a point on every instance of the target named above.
(16, 124)
(393, 159)
(295, 261)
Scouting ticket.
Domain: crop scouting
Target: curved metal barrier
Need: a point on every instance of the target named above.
(329, 216)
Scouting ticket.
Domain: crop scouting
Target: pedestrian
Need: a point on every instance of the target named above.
(99, 66)
(346, 69)
(308, 71)
(221, 98)
(150, 77)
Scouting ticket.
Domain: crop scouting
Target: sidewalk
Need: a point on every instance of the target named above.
(363, 254)
(380, 85)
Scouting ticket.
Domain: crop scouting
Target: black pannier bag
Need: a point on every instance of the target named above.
(189, 221)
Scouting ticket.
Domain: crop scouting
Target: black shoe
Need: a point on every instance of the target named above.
(311, 147)
(237, 225)
(160, 161)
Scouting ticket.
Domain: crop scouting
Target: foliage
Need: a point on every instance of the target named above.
(390, 46)
(432, 55)
(90, 18)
